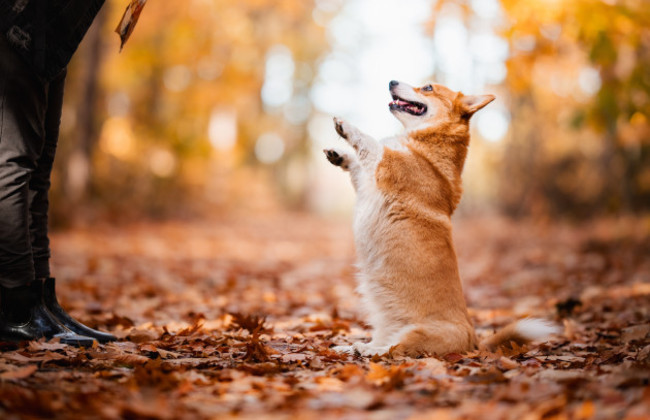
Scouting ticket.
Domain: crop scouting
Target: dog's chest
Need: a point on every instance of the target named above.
(370, 221)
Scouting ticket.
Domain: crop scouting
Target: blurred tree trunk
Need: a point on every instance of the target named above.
(519, 187)
(78, 172)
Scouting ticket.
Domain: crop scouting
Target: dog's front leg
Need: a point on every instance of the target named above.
(347, 162)
(368, 149)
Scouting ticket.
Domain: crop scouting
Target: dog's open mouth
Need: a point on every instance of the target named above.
(413, 108)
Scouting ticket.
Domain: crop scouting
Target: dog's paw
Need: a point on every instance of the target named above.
(363, 349)
(368, 350)
(334, 157)
(341, 127)
(337, 158)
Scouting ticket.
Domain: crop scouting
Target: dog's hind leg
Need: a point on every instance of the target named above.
(436, 338)
(368, 149)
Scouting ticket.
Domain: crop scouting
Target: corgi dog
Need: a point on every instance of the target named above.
(407, 188)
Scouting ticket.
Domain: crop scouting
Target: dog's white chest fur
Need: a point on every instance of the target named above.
(370, 215)
(370, 212)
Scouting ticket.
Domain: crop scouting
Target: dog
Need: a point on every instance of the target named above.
(407, 188)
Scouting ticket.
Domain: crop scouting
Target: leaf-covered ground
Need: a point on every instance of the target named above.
(236, 317)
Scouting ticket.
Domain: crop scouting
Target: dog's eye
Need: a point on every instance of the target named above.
(428, 88)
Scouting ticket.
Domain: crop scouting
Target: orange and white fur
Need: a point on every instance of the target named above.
(407, 188)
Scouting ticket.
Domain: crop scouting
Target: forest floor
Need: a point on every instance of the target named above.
(235, 318)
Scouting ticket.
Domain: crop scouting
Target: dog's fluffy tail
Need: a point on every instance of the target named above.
(520, 332)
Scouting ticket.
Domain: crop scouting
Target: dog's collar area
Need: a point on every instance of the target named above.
(412, 107)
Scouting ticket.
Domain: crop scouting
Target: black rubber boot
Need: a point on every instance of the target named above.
(52, 304)
(24, 317)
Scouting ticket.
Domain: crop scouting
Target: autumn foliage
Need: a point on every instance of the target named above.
(178, 113)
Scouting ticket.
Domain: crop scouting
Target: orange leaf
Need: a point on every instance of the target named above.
(377, 372)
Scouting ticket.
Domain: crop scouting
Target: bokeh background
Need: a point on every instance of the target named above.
(218, 106)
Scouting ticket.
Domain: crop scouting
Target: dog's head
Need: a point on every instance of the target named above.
(432, 104)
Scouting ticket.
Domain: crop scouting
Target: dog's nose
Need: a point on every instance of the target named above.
(393, 83)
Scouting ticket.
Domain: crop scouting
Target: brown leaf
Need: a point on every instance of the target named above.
(316, 363)
(154, 373)
(561, 358)
(148, 347)
(46, 345)
(264, 368)
(329, 384)
(141, 336)
(195, 328)
(129, 20)
(506, 363)
(255, 350)
(117, 320)
(432, 365)
(348, 372)
(635, 333)
(453, 357)
(294, 357)
(332, 356)
(387, 378)
(20, 373)
(487, 376)
(644, 354)
(513, 350)
(131, 359)
(563, 375)
(250, 323)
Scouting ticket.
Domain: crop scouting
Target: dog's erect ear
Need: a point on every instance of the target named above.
(472, 103)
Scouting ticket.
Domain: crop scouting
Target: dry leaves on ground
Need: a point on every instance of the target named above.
(235, 318)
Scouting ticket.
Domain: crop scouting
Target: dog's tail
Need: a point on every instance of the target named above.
(520, 332)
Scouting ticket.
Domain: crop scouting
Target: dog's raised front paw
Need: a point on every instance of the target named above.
(333, 156)
(341, 127)
(338, 158)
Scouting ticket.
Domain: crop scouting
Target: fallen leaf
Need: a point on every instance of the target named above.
(635, 333)
(562, 375)
(294, 357)
(141, 336)
(46, 345)
(432, 365)
(20, 373)
(388, 378)
(453, 357)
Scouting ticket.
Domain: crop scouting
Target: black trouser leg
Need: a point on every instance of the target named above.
(39, 184)
(23, 102)
(30, 111)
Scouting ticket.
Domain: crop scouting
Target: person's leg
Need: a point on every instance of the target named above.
(23, 107)
(39, 185)
(23, 100)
